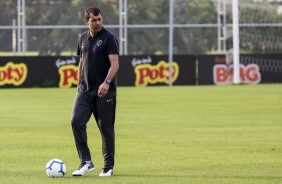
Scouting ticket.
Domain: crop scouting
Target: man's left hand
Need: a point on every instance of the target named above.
(103, 89)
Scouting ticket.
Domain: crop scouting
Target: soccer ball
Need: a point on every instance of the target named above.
(56, 168)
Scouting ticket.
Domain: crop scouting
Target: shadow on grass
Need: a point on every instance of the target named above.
(146, 176)
(198, 177)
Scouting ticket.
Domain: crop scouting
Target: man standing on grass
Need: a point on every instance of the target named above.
(98, 66)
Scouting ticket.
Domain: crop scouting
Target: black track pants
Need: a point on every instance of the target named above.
(103, 108)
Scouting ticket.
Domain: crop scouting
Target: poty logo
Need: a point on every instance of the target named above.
(149, 74)
(12, 73)
(68, 75)
(99, 43)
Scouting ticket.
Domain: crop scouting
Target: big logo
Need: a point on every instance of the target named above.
(12, 73)
(223, 74)
(150, 74)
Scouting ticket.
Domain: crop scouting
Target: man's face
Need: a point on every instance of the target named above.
(95, 23)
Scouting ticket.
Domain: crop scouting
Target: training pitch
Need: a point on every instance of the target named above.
(192, 134)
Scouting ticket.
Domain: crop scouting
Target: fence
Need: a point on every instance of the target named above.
(143, 27)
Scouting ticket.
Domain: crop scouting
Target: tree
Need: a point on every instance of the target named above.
(189, 40)
(60, 12)
(260, 39)
(8, 13)
(186, 40)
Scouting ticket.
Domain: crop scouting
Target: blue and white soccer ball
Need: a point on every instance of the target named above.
(56, 168)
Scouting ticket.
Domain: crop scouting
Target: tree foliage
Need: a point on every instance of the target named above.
(45, 12)
(8, 13)
(141, 40)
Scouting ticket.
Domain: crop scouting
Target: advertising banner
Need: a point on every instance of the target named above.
(34, 71)
(253, 69)
(154, 70)
(52, 71)
(145, 70)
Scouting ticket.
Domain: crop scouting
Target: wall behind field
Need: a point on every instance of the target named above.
(142, 70)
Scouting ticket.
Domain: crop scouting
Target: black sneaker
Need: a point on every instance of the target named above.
(83, 168)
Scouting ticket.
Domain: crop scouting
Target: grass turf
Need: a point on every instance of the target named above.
(192, 134)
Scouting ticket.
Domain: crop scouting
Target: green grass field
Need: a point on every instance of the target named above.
(193, 134)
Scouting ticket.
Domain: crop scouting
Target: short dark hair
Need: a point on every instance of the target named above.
(95, 11)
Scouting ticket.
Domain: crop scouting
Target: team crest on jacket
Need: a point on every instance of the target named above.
(99, 43)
